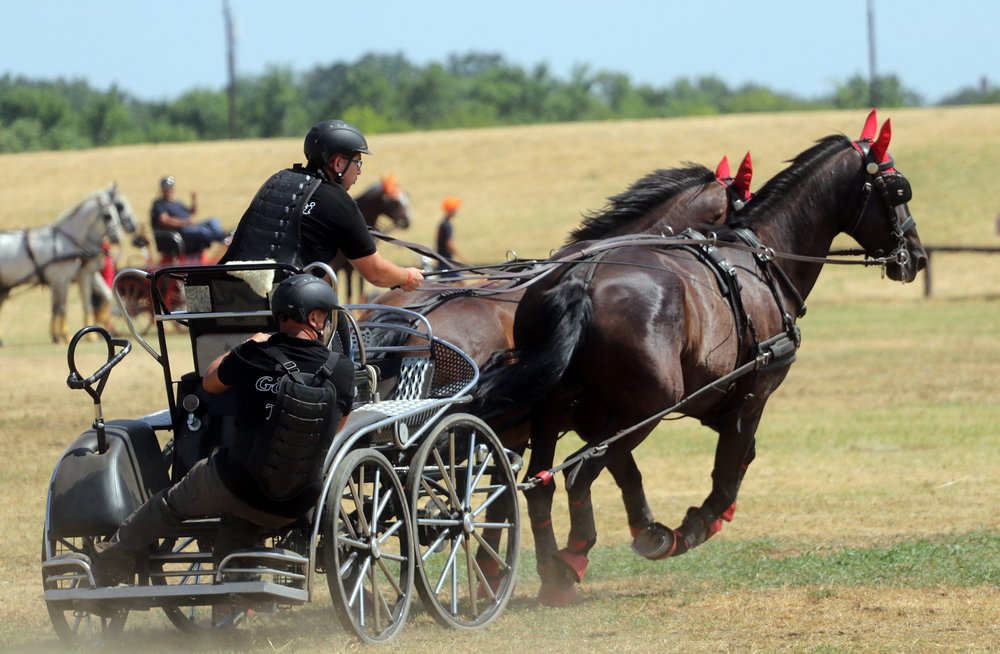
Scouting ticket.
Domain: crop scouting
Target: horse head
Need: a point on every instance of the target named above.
(884, 226)
(110, 224)
(395, 202)
(121, 205)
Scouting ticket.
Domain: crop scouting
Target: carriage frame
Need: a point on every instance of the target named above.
(416, 495)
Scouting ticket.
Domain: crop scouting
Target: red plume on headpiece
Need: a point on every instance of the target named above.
(389, 185)
(722, 170)
(743, 176)
(868, 132)
(880, 148)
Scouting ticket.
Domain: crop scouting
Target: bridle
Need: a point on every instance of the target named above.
(895, 192)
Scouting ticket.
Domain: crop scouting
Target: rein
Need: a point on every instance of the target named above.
(774, 350)
(537, 268)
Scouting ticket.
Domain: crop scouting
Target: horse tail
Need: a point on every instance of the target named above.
(514, 382)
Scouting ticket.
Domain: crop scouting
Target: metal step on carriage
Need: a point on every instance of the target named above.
(417, 495)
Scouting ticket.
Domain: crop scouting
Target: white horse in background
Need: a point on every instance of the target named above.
(68, 249)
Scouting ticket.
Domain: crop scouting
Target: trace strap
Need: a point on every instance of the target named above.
(779, 348)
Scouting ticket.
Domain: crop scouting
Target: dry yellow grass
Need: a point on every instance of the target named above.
(915, 379)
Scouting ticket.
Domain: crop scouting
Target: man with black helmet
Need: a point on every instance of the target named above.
(230, 482)
(304, 214)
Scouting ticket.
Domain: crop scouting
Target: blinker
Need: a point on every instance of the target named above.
(898, 190)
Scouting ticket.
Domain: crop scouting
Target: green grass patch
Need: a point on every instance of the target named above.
(963, 560)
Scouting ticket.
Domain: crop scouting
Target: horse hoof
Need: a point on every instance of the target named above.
(573, 565)
(655, 542)
(553, 595)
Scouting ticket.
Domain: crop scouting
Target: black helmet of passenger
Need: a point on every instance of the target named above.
(333, 137)
(299, 295)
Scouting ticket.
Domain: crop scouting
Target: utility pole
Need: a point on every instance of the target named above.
(230, 65)
(872, 74)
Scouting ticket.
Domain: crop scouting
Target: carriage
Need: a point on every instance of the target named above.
(416, 496)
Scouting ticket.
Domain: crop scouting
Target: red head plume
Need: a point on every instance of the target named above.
(722, 170)
(743, 176)
(880, 148)
(868, 133)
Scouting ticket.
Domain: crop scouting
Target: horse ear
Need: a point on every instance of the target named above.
(743, 176)
(868, 132)
(880, 148)
(722, 170)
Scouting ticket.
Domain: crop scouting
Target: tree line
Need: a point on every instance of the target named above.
(387, 93)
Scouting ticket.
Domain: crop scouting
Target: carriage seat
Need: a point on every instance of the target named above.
(170, 244)
(219, 292)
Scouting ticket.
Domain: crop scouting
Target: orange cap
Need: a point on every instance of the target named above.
(451, 203)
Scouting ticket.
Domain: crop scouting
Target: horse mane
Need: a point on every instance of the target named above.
(764, 201)
(639, 199)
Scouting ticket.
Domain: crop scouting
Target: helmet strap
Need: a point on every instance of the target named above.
(332, 172)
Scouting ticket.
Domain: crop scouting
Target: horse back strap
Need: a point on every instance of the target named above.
(39, 270)
(726, 276)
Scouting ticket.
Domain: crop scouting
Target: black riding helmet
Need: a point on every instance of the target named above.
(299, 295)
(332, 137)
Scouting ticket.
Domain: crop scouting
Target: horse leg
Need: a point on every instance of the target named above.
(629, 480)
(85, 284)
(57, 328)
(733, 453)
(3, 297)
(539, 500)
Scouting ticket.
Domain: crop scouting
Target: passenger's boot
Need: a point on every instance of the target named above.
(116, 558)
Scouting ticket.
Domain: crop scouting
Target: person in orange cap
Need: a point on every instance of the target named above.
(446, 236)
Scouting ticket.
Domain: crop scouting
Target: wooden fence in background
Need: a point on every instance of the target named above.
(931, 249)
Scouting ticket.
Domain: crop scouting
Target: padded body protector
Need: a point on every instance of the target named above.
(269, 228)
(289, 449)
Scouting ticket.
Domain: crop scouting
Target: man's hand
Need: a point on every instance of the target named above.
(414, 278)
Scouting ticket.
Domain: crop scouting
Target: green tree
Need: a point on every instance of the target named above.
(856, 93)
(272, 105)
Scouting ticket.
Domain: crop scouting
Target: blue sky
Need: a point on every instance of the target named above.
(157, 50)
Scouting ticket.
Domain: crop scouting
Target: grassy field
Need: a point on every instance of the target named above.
(866, 524)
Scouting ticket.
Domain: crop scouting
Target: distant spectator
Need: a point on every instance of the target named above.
(168, 213)
(446, 235)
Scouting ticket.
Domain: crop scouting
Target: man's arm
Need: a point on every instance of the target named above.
(380, 271)
(170, 222)
(211, 381)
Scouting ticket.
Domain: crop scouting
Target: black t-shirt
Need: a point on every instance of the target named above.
(444, 234)
(252, 372)
(331, 221)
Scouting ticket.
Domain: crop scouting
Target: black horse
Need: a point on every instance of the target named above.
(610, 347)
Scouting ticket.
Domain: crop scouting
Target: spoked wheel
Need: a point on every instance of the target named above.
(367, 536)
(138, 305)
(197, 618)
(74, 626)
(464, 499)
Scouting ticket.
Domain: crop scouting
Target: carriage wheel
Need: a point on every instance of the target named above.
(135, 297)
(367, 536)
(78, 627)
(464, 500)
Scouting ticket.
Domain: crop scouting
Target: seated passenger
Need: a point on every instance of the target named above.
(248, 484)
(170, 214)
